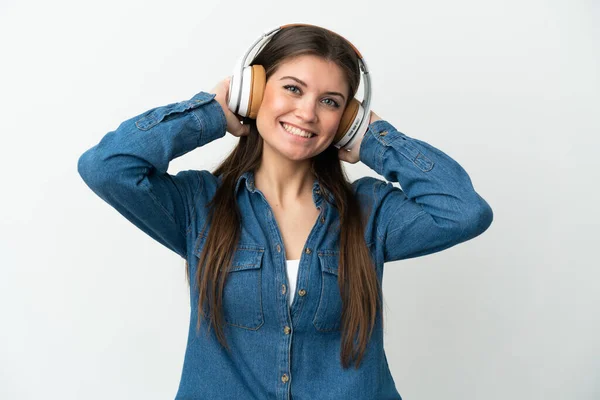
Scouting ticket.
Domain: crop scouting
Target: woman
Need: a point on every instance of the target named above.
(286, 255)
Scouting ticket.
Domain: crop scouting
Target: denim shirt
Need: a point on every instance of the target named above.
(278, 351)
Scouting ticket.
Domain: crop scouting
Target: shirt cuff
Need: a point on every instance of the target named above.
(380, 134)
(210, 116)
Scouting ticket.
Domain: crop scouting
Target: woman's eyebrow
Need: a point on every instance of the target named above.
(305, 85)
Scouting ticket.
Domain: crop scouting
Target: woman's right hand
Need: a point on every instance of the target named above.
(234, 124)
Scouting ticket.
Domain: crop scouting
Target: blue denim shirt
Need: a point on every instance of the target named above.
(281, 352)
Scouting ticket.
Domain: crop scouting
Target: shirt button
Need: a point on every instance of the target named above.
(278, 248)
(322, 220)
(287, 330)
(301, 292)
(318, 191)
(284, 378)
(282, 289)
(308, 250)
(383, 133)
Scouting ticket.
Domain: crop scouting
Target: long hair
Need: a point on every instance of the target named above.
(358, 284)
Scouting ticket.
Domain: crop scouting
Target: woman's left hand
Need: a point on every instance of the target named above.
(352, 156)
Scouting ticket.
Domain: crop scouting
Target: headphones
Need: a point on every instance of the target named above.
(247, 87)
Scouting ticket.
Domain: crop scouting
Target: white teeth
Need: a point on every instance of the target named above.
(296, 131)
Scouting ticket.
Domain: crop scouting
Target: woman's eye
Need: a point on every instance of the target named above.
(296, 90)
(333, 103)
(288, 87)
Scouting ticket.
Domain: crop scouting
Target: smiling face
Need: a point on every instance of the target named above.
(305, 96)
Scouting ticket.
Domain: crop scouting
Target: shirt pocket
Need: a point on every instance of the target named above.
(329, 310)
(156, 115)
(242, 294)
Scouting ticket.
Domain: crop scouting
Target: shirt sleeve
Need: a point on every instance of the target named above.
(128, 167)
(436, 206)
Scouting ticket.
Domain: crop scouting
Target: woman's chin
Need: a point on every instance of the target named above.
(294, 154)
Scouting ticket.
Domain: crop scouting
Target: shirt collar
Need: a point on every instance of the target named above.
(247, 180)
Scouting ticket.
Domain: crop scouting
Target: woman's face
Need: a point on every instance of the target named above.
(305, 94)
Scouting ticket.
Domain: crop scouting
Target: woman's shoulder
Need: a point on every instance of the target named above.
(373, 193)
(369, 187)
(198, 176)
(201, 183)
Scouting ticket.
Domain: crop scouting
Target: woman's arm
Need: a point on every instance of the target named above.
(128, 167)
(437, 206)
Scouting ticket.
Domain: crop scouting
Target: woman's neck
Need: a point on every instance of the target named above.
(284, 181)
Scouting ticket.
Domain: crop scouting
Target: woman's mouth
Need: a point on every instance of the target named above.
(297, 132)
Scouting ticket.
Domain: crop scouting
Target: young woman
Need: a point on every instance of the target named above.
(284, 255)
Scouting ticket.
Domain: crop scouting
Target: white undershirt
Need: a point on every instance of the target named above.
(292, 274)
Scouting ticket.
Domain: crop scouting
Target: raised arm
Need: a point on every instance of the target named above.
(436, 207)
(128, 167)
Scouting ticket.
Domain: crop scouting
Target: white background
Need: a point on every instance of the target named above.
(92, 308)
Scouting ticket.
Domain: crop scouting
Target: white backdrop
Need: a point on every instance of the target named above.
(92, 308)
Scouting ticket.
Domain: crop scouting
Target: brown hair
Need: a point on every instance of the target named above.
(358, 283)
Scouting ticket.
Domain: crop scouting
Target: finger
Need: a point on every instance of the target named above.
(243, 130)
(231, 119)
(240, 129)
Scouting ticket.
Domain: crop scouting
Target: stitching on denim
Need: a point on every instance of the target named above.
(379, 158)
(421, 161)
(194, 201)
(325, 262)
(407, 222)
(257, 260)
(378, 197)
(158, 203)
(200, 126)
(201, 237)
(240, 246)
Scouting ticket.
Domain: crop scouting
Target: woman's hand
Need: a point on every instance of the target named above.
(352, 155)
(234, 125)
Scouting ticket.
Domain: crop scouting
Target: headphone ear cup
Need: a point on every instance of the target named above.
(348, 118)
(259, 81)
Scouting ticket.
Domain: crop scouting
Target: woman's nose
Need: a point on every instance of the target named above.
(306, 110)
